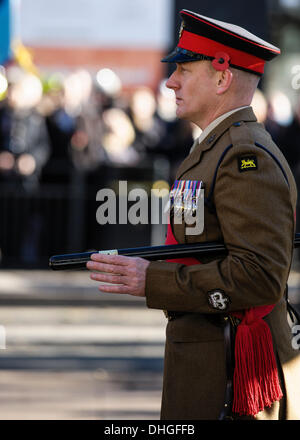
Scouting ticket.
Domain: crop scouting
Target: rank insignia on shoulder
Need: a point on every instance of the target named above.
(247, 163)
(218, 299)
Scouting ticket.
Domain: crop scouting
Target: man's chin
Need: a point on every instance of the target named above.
(182, 115)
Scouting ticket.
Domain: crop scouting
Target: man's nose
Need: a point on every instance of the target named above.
(172, 83)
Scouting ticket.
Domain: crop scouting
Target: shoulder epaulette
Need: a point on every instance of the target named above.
(240, 134)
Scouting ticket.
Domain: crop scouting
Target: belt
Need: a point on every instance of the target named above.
(173, 315)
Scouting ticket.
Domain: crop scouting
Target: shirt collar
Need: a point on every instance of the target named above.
(213, 125)
(244, 114)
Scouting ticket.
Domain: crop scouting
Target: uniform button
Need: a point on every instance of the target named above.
(211, 139)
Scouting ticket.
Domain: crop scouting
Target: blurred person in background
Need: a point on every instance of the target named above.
(61, 126)
(8, 171)
(101, 140)
(59, 171)
(158, 132)
(118, 138)
(290, 141)
(290, 145)
(260, 106)
(23, 132)
(283, 123)
(118, 133)
(274, 127)
(83, 103)
(147, 126)
(264, 111)
(283, 126)
(24, 150)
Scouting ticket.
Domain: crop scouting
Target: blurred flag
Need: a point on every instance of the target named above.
(24, 57)
(4, 31)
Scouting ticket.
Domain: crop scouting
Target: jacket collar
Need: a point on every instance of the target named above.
(245, 115)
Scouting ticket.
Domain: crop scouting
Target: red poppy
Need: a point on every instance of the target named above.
(221, 61)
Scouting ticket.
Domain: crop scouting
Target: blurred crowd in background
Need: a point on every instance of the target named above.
(54, 128)
(65, 137)
(81, 123)
(85, 132)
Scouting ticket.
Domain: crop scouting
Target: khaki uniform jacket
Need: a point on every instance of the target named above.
(252, 211)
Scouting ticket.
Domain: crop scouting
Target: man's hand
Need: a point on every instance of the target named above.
(126, 274)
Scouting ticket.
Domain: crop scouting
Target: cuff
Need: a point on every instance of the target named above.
(161, 284)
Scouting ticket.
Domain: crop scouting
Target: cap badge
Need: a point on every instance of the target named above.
(221, 61)
(181, 29)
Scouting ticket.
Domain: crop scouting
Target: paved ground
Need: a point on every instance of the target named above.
(74, 353)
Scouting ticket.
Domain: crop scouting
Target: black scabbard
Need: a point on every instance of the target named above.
(167, 252)
(229, 340)
(151, 253)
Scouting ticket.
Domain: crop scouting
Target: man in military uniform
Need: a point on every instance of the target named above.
(250, 201)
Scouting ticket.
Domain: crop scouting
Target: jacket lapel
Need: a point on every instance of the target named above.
(246, 115)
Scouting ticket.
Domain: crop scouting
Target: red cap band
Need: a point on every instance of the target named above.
(205, 46)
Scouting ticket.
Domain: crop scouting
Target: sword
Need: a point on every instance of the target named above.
(165, 252)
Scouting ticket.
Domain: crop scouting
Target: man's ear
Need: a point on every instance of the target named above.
(223, 81)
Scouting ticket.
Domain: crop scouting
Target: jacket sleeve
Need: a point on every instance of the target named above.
(256, 217)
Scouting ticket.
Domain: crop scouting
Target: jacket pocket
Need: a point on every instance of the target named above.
(195, 327)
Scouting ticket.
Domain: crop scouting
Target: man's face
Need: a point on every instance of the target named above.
(194, 87)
